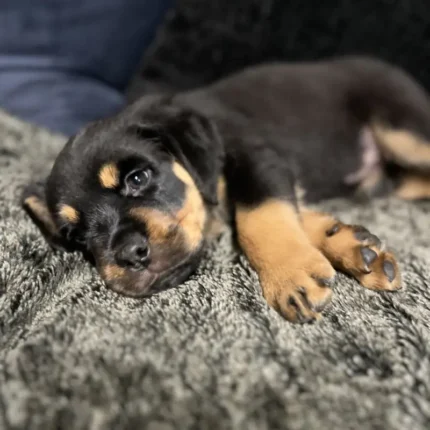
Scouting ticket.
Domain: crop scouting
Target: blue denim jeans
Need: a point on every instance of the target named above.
(64, 63)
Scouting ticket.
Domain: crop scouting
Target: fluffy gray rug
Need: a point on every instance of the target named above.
(209, 354)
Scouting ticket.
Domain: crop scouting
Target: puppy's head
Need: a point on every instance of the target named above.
(133, 192)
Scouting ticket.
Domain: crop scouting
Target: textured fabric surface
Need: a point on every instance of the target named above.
(203, 39)
(209, 354)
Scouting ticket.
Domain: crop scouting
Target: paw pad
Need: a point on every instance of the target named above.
(369, 256)
(389, 270)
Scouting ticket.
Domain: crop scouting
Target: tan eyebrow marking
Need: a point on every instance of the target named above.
(70, 214)
(109, 176)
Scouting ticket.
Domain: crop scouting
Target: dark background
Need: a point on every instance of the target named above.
(203, 40)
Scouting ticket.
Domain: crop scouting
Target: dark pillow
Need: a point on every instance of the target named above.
(205, 39)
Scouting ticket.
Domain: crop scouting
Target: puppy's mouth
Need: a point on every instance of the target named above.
(151, 280)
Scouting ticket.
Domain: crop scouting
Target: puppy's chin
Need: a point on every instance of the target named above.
(146, 282)
(133, 284)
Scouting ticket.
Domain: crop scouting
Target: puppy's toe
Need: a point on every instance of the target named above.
(384, 274)
(360, 253)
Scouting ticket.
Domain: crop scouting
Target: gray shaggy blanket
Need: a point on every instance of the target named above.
(209, 354)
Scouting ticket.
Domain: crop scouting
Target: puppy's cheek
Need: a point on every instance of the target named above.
(172, 236)
(192, 220)
(192, 217)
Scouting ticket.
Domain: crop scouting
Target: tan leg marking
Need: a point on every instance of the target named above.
(414, 187)
(294, 275)
(69, 214)
(109, 176)
(402, 146)
(354, 250)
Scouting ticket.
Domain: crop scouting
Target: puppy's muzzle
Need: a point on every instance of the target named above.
(133, 251)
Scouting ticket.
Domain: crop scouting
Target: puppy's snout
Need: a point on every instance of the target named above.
(133, 251)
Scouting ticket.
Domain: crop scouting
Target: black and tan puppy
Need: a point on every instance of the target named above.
(141, 192)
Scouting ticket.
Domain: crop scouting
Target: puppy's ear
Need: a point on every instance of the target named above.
(194, 141)
(34, 202)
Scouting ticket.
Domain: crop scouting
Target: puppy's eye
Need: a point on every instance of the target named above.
(138, 179)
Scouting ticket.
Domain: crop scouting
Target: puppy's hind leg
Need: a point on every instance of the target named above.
(414, 186)
(398, 112)
(405, 147)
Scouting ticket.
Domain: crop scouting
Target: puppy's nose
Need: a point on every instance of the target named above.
(134, 252)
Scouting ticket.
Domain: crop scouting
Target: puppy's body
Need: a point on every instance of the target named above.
(312, 116)
(336, 126)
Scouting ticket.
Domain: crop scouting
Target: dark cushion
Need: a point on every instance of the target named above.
(206, 39)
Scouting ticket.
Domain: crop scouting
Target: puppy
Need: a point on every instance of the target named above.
(143, 192)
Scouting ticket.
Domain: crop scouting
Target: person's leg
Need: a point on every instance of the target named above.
(63, 64)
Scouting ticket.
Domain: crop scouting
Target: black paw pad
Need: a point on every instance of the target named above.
(362, 234)
(325, 282)
(369, 255)
(333, 230)
(389, 270)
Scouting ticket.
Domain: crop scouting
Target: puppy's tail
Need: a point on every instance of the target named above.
(395, 107)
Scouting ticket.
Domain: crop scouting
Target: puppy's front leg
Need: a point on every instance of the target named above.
(294, 275)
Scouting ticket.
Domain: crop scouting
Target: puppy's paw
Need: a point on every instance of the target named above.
(300, 288)
(356, 251)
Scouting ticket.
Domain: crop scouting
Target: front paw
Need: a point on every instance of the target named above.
(300, 288)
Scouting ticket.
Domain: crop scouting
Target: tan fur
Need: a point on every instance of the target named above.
(287, 263)
(69, 214)
(401, 145)
(112, 272)
(109, 176)
(159, 225)
(182, 174)
(41, 212)
(192, 216)
(343, 251)
(414, 187)
(376, 279)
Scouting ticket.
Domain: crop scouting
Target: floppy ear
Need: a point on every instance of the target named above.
(34, 202)
(194, 141)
